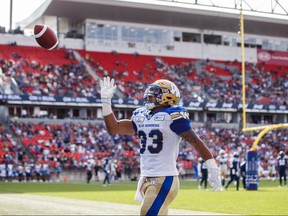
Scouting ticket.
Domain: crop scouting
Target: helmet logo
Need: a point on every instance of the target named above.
(175, 90)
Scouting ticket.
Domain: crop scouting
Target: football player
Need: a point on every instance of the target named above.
(234, 170)
(204, 174)
(160, 126)
(243, 172)
(282, 166)
(107, 171)
(272, 168)
(88, 165)
(222, 160)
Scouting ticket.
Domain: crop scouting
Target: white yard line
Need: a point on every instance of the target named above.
(26, 204)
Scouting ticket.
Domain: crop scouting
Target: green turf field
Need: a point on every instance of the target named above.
(269, 199)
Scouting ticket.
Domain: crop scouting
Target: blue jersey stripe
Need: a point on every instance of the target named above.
(164, 191)
(180, 125)
(134, 127)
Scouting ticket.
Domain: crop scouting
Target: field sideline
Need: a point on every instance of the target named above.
(269, 199)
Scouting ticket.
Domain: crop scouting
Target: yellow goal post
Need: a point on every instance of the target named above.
(266, 128)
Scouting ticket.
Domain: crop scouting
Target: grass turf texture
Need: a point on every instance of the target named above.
(269, 199)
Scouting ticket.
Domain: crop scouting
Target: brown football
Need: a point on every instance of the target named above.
(46, 37)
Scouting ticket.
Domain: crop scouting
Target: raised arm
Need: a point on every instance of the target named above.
(113, 125)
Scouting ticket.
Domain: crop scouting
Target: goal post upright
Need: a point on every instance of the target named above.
(243, 66)
(251, 156)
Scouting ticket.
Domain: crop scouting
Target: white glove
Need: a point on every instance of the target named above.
(107, 91)
(213, 175)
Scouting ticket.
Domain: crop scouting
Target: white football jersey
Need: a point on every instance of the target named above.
(272, 163)
(2, 170)
(159, 139)
(222, 159)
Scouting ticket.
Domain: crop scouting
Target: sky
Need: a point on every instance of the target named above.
(23, 8)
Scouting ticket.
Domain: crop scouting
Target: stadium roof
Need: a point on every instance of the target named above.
(167, 15)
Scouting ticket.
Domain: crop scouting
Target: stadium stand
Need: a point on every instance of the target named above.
(72, 145)
(133, 72)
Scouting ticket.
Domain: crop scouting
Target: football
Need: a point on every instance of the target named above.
(46, 37)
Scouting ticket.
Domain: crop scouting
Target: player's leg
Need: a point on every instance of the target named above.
(105, 178)
(108, 179)
(231, 180)
(223, 176)
(205, 174)
(237, 182)
(284, 177)
(280, 177)
(273, 174)
(244, 181)
(202, 180)
(89, 176)
(159, 192)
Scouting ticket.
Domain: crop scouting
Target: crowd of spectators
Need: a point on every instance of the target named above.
(70, 146)
(204, 80)
(52, 80)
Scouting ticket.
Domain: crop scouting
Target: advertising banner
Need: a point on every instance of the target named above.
(272, 57)
(88, 101)
(252, 170)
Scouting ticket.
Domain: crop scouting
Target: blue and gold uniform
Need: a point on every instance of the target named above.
(159, 139)
(160, 126)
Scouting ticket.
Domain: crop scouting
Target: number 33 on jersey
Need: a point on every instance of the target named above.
(159, 138)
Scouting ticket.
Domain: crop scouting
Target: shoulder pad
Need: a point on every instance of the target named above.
(178, 112)
(173, 109)
(139, 110)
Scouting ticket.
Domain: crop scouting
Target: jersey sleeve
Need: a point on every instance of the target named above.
(134, 124)
(180, 121)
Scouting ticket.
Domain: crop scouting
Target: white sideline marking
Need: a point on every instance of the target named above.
(26, 204)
